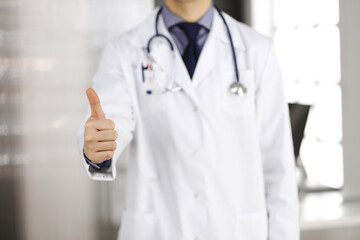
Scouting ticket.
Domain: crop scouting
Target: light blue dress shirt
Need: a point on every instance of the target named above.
(181, 41)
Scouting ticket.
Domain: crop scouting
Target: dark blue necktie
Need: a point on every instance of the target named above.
(192, 50)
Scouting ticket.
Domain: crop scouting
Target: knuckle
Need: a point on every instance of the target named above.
(89, 138)
(111, 145)
(110, 135)
(111, 123)
(115, 134)
(107, 155)
(114, 145)
(89, 124)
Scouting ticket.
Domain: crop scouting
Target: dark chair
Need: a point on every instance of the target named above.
(298, 118)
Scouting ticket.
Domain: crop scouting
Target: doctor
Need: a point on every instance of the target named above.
(201, 108)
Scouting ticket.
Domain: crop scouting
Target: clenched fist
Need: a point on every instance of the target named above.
(100, 134)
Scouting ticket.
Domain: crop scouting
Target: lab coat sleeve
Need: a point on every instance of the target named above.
(277, 152)
(113, 91)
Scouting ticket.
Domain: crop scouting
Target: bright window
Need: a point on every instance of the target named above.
(307, 41)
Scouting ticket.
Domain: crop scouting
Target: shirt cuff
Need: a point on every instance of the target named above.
(100, 165)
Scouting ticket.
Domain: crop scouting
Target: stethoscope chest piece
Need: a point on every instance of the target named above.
(238, 89)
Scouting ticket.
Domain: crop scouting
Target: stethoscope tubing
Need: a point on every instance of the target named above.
(231, 44)
(236, 87)
(157, 34)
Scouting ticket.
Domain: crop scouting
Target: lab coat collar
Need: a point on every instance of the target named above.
(215, 44)
(222, 34)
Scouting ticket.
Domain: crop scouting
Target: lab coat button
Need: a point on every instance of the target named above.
(195, 109)
(196, 238)
(196, 195)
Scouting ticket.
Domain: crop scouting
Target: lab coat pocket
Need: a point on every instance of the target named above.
(235, 104)
(152, 98)
(138, 226)
(252, 226)
(153, 103)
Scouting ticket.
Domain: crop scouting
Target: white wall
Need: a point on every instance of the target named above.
(350, 61)
(50, 54)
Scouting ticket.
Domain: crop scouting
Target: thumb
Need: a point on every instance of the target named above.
(94, 101)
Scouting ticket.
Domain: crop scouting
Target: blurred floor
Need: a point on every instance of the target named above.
(326, 216)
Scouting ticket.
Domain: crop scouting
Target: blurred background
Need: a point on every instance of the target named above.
(49, 50)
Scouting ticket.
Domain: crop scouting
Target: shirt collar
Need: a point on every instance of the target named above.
(171, 19)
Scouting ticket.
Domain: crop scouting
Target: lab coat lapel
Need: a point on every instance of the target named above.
(182, 77)
(213, 51)
(161, 54)
(209, 54)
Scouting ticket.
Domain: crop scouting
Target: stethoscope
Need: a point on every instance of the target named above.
(236, 87)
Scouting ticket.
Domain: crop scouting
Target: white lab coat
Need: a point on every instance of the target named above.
(203, 163)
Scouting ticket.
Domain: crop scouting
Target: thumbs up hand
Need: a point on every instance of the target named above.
(100, 134)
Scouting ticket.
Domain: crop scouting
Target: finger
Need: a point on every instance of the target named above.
(106, 135)
(100, 124)
(98, 157)
(105, 146)
(94, 101)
